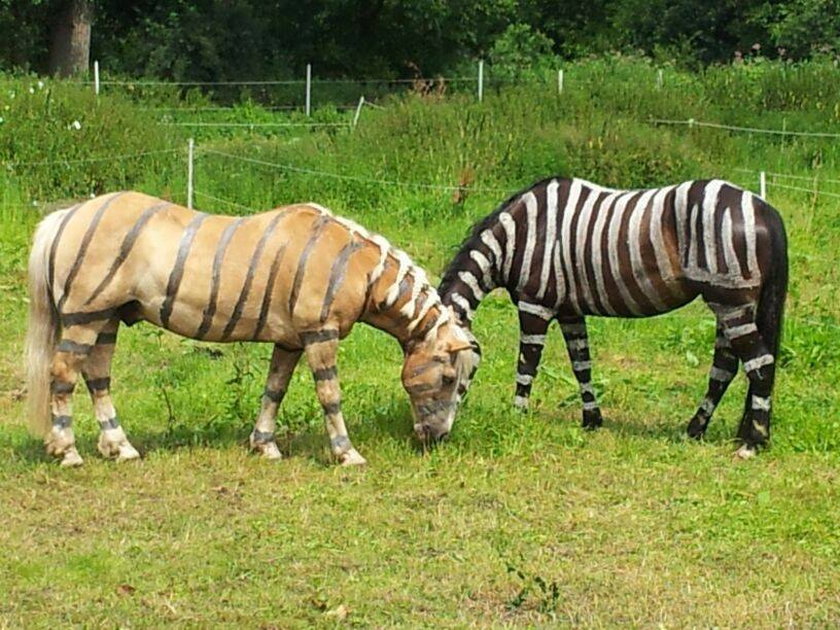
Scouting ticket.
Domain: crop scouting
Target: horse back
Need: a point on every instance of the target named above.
(213, 277)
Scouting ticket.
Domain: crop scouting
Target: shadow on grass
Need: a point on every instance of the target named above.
(669, 430)
(307, 438)
(392, 422)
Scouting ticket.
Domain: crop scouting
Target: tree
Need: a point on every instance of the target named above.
(70, 37)
(802, 27)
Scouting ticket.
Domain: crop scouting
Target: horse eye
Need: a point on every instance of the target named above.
(448, 380)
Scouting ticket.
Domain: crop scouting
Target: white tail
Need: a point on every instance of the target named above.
(42, 330)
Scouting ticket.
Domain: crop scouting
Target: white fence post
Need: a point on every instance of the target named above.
(190, 156)
(480, 80)
(96, 78)
(358, 111)
(559, 81)
(308, 88)
(762, 184)
(660, 79)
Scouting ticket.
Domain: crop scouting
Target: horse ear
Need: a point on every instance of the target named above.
(457, 345)
(457, 340)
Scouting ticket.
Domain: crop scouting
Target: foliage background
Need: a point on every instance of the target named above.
(202, 40)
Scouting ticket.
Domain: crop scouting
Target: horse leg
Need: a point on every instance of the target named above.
(280, 372)
(113, 442)
(759, 364)
(321, 350)
(72, 351)
(723, 370)
(532, 331)
(577, 344)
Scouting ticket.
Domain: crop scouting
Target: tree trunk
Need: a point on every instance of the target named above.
(70, 46)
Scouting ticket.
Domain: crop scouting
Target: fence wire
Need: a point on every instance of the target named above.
(104, 158)
(780, 132)
(353, 178)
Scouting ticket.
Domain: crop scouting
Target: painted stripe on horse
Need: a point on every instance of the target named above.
(126, 247)
(269, 290)
(613, 245)
(215, 279)
(178, 269)
(337, 274)
(581, 232)
(748, 210)
(77, 264)
(54, 246)
(317, 227)
(637, 263)
(569, 209)
(599, 257)
(249, 276)
(550, 235)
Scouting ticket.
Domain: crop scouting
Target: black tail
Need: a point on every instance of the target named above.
(771, 303)
(768, 318)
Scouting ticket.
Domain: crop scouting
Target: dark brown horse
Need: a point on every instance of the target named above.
(567, 248)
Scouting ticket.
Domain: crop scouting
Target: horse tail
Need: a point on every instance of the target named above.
(771, 301)
(43, 326)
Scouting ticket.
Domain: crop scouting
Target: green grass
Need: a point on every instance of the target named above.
(517, 521)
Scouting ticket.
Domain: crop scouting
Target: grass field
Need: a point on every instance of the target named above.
(519, 520)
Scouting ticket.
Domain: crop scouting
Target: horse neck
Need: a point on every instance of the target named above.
(402, 303)
(474, 272)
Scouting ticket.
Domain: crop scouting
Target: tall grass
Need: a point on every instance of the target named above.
(58, 142)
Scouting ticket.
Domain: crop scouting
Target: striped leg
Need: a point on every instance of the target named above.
(724, 368)
(73, 350)
(113, 442)
(532, 330)
(321, 350)
(280, 372)
(748, 345)
(577, 343)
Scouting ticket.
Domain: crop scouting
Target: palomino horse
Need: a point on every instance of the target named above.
(567, 248)
(297, 277)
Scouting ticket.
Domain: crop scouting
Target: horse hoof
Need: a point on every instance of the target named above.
(108, 450)
(265, 448)
(127, 453)
(696, 428)
(268, 450)
(745, 452)
(71, 458)
(592, 421)
(352, 458)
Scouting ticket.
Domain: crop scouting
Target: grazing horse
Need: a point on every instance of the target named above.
(567, 248)
(297, 277)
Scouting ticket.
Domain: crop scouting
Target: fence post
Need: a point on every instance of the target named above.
(660, 80)
(480, 80)
(308, 88)
(358, 111)
(762, 185)
(96, 78)
(190, 156)
(559, 81)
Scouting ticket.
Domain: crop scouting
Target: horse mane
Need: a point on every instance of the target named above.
(473, 236)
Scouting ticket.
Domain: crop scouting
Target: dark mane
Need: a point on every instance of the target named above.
(474, 233)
